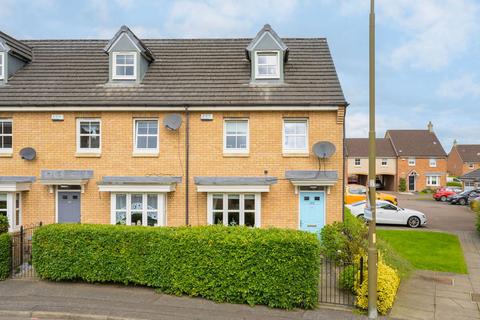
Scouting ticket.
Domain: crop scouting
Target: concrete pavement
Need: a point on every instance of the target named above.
(63, 300)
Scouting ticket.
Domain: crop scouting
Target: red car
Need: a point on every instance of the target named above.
(443, 193)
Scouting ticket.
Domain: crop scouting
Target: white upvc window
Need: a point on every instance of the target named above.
(89, 138)
(433, 181)
(3, 205)
(146, 136)
(267, 65)
(411, 162)
(432, 163)
(124, 66)
(295, 136)
(138, 209)
(384, 162)
(2, 65)
(357, 162)
(232, 209)
(11, 207)
(236, 136)
(6, 135)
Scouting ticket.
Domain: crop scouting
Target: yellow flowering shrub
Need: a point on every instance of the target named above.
(387, 286)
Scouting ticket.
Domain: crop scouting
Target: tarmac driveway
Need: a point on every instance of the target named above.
(440, 215)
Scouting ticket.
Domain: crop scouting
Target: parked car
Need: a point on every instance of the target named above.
(387, 213)
(443, 193)
(357, 192)
(462, 198)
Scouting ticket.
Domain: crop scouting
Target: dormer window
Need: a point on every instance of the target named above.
(2, 65)
(124, 65)
(267, 65)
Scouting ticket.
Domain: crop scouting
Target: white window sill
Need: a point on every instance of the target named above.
(4, 154)
(236, 154)
(88, 154)
(145, 154)
(295, 154)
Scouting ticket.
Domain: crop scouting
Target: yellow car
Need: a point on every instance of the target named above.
(356, 192)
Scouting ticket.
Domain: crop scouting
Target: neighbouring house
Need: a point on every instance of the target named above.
(414, 155)
(357, 162)
(471, 180)
(168, 132)
(463, 158)
(421, 159)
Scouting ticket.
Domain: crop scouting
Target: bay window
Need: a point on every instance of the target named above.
(433, 181)
(231, 209)
(138, 209)
(11, 207)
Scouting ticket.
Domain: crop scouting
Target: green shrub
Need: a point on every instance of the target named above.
(347, 278)
(274, 267)
(403, 185)
(454, 184)
(3, 224)
(342, 241)
(4, 256)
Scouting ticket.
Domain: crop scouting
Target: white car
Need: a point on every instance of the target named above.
(388, 213)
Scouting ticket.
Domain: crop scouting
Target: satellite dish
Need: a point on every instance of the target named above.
(172, 122)
(324, 149)
(28, 153)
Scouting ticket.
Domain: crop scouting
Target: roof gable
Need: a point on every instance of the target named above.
(416, 143)
(16, 48)
(126, 33)
(267, 39)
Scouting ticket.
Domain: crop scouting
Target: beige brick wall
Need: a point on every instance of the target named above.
(421, 168)
(55, 143)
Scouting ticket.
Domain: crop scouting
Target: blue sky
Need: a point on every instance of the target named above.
(428, 65)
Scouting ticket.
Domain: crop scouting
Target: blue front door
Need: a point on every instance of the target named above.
(312, 211)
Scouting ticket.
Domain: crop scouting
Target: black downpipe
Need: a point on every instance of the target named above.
(187, 163)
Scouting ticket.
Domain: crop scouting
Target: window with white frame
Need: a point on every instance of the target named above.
(146, 136)
(357, 162)
(88, 135)
(384, 162)
(267, 65)
(2, 65)
(295, 136)
(6, 135)
(432, 163)
(411, 162)
(3, 204)
(124, 65)
(433, 181)
(232, 209)
(138, 209)
(236, 136)
(17, 214)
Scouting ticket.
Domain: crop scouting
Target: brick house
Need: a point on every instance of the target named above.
(414, 155)
(421, 159)
(463, 158)
(170, 132)
(356, 150)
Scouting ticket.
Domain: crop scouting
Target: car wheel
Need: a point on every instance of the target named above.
(462, 201)
(362, 218)
(443, 198)
(413, 222)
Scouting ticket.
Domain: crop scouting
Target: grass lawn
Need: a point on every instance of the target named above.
(436, 251)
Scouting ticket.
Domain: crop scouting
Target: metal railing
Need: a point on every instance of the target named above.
(21, 258)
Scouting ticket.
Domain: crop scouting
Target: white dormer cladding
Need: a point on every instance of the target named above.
(267, 54)
(129, 58)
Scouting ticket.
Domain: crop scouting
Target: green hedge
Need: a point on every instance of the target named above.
(454, 184)
(4, 256)
(274, 267)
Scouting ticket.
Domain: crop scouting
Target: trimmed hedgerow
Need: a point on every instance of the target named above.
(4, 256)
(274, 267)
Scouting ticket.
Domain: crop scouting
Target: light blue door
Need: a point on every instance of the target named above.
(312, 211)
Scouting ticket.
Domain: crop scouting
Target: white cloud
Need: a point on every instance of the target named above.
(436, 31)
(460, 87)
(216, 18)
(357, 124)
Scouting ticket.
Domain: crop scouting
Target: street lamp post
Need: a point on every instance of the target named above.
(372, 241)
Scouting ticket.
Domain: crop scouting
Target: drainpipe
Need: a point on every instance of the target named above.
(345, 177)
(187, 162)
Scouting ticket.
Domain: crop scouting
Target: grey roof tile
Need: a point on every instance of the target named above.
(17, 48)
(358, 147)
(474, 175)
(311, 175)
(228, 181)
(140, 180)
(16, 179)
(196, 72)
(416, 143)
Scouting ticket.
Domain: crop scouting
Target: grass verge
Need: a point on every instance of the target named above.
(435, 251)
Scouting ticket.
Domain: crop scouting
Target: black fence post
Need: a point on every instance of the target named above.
(361, 270)
(21, 245)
